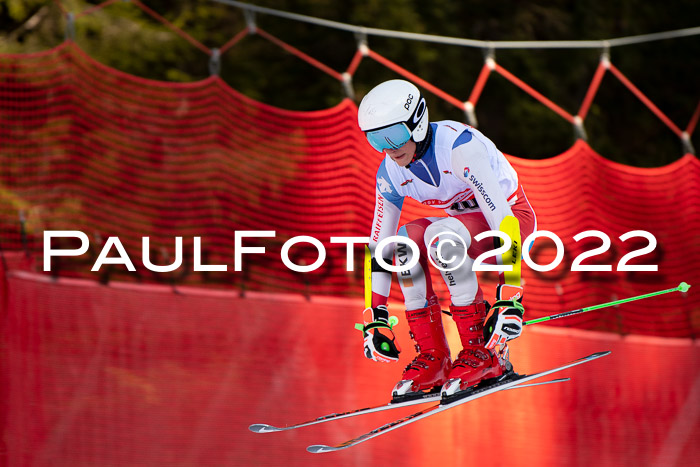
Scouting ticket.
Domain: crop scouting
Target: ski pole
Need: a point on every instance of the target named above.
(682, 287)
(368, 277)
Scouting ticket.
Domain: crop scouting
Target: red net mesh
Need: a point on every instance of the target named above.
(85, 147)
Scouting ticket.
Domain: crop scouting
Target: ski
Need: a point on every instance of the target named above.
(456, 400)
(264, 428)
(420, 399)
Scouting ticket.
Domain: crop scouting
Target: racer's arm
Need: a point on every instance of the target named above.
(387, 211)
(379, 341)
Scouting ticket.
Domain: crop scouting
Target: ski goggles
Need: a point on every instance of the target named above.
(390, 137)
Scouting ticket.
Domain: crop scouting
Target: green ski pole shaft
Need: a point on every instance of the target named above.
(682, 287)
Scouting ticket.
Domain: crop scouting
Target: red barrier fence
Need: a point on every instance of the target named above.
(127, 375)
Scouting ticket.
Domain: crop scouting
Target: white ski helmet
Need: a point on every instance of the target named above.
(392, 113)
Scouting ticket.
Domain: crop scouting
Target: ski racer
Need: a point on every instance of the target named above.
(450, 166)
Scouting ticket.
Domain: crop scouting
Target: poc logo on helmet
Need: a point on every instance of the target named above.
(420, 111)
(407, 105)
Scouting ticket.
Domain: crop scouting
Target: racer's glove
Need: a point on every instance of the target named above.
(379, 340)
(506, 320)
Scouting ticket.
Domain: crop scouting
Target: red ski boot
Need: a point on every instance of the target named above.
(474, 363)
(432, 365)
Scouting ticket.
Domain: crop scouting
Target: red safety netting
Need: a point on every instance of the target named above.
(131, 375)
(85, 147)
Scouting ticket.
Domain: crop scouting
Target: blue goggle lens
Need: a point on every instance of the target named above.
(392, 137)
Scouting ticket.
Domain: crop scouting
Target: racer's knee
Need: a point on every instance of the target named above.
(415, 230)
(447, 240)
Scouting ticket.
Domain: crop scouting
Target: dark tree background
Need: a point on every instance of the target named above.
(619, 126)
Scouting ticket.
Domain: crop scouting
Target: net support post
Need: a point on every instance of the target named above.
(490, 57)
(361, 38)
(605, 55)
(347, 85)
(687, 144)
(23, 233)
(470, 114)
(579, 130)
(166, 258)
(249, 16)
(215, 62)
(69, 33)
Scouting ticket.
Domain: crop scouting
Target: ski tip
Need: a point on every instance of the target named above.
(599, 354)
(262, 428)
(319, 448)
